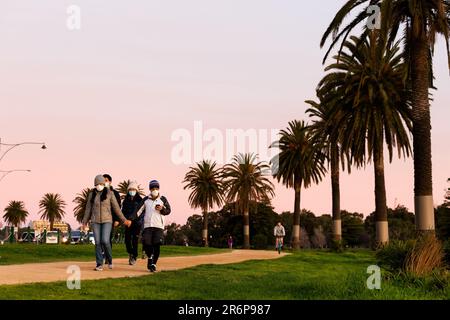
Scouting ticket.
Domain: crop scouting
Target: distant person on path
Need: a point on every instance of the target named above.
(152, 212)
(100, 206)
(129, 207)
(279, 234)
(230, 242)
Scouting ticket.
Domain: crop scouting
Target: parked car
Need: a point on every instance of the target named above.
(52, 237)
(76, 237)
(27, 237)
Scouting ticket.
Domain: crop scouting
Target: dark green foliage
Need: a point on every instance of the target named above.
(260, 241)
(393, 256)
(353, 228)
(401, 224)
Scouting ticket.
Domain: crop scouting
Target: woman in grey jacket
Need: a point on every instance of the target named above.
(101, 203)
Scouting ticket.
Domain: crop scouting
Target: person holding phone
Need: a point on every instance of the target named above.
(151, 213)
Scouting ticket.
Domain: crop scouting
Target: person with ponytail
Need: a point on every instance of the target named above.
(100, 207)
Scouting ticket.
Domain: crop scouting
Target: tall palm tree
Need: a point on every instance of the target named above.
(15, 213)
(373, 109)
(322, 128)
(52, 208)
(299, 163)
(80, 201)
(245, 181)
(419, 22)
(122, 188)
(207, 190)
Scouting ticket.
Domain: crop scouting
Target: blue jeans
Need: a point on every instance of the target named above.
(102, 234)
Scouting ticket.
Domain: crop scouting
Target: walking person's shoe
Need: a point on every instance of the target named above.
(149, 265)
(129, 260)
(110, 266)
(98, 268)
(153, 267)
(132, 261)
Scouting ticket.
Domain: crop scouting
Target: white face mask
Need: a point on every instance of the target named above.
(132, 193)
(100, 187)
(107, 184)
(155, 193)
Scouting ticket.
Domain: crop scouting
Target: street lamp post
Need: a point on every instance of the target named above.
(15, 145)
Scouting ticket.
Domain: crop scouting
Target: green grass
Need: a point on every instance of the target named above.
(32, 253)
(304, 275)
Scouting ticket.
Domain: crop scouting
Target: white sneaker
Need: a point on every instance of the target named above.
(98, 268)
(110, 266)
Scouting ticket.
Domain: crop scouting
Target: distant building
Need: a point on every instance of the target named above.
(40, 225)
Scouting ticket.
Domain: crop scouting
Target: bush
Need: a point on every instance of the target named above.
(426, 256)
(417, 258)
(337, 246)
(393, 256)
(260, 241)
(447, 253)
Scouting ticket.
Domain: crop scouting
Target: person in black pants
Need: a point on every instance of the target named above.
(129, 207)
(151, 214)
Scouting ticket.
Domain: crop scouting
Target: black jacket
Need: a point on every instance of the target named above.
(119, 201)
(130, 205)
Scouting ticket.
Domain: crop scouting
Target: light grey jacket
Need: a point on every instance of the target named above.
(101, 211)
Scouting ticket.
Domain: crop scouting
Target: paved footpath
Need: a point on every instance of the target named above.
(57, 271)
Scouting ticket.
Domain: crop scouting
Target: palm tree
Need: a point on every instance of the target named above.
(207, 190)
(122, 188)
(322, 129)
(15, 213)
(52, 208)
(299, 163)
(245, 181)
(80, 201)
(419, 22)
(373, 108)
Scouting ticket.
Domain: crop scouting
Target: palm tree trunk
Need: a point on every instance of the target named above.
(423, 182)
(382, 229)
(246, 227)
(336, 195)
(51, 225)
(205, 228)
(296, 222)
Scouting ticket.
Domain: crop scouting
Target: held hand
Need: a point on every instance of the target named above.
(158, 207)
(127, 223)
(116, 223)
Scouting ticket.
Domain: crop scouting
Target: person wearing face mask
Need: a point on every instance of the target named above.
(151, 213)
(100, 206)
(129, 207)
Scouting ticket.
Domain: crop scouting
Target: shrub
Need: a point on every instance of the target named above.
(447, 253)
(426, 256)
(417, 258)
(260, 241)
(393, 256)
(337, 246)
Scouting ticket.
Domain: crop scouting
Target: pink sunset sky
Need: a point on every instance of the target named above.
(108, 97)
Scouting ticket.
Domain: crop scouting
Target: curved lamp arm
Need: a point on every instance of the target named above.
(5, 173)
(12, 146)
